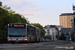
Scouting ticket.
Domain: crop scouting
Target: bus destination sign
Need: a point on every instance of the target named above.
(18, 25)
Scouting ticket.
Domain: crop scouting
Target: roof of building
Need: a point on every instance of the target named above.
(63, 14)
(65, 29)
(59, 26)
(49, 26)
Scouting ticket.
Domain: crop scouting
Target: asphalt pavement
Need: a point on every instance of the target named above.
(56, 45)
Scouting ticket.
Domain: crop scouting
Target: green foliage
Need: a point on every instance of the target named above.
(3, 34)
(67, 33)
(11, 12)
(5, 7)
(62, 37)
(8, 16)
(47, 37)
(0, 3)
(41, 27)
(3, 18)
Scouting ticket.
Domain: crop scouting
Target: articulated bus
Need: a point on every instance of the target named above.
(20, 32)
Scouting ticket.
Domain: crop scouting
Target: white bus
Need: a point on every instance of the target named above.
(20, 32)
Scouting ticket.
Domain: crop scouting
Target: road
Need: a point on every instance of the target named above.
(57, 45)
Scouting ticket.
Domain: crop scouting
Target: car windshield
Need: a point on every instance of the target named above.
(17, 31)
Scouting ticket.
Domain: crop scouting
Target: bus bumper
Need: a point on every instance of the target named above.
(17, 40)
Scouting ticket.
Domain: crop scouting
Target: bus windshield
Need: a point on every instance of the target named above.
(17, 31)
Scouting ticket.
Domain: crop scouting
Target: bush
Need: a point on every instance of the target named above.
(47, 37)
(3, 34)
(62, 37)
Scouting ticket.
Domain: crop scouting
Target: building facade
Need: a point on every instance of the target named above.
(73, 28)
(65, 20)
(59, 27)
(66, 32)
(51, 30)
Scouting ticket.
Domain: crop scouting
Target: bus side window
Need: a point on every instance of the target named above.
(38, 32)
(34, 31)
(28, 31)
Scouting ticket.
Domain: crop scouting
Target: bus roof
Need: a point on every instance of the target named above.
(17, 23)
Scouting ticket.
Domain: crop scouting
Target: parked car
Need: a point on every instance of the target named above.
(43, 40)
(50, 39)
(47, 40)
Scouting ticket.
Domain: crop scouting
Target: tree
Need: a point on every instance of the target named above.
(62, 37)
(47, 37)
(6, 8)
(67, 33)
(41, 27)
(3, 18)
(11, 12)
(0, 4)
(8, 16)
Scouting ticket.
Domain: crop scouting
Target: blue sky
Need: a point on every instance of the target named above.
(45, 12)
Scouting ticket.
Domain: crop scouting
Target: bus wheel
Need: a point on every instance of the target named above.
(39, 39)
(30, 39)
(12, 42)
(7, 42)
(35, 40)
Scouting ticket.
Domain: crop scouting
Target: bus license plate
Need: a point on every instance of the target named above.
(17, 41)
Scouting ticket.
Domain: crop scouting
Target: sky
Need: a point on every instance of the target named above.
(45, 12)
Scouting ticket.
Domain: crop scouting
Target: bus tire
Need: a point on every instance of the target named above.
(12, 42)
(35, 40)
(39, 39)
(30, 39)
(7, 42)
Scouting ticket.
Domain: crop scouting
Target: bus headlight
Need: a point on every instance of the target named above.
(8, 39)
(25, 39)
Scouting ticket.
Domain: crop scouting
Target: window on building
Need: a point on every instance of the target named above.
(52, 29)
(48, 30)
(48, 33)
(53, 34)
